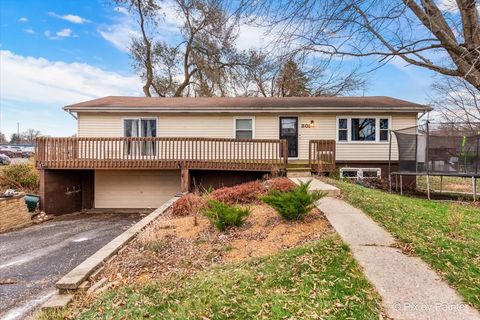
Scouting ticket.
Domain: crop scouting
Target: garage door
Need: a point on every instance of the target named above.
(135, 188)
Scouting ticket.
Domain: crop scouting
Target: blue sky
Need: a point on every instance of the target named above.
(55, 53)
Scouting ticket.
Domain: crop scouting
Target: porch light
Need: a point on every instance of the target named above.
(312, 123)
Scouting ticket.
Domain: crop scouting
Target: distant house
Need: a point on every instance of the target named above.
(134, 152)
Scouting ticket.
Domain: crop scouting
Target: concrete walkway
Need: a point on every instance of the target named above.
(318, 185)
(409, 288)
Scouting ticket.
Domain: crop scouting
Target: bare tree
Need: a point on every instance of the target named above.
(200, 62)
(3, 139)
(421, 32)
(29, 136)
(457, 101)
(146, 12)
(15, 139)
(269, 76)
(292, 81)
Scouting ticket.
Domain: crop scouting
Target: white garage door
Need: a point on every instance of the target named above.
(135, 188)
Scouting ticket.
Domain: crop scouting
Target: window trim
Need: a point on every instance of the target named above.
(243, 118)
(349, 129)
(139, 123)
(360, 171)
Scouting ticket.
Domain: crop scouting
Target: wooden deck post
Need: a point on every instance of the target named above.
(185, 180)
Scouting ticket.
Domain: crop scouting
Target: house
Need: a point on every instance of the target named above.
(135, 152)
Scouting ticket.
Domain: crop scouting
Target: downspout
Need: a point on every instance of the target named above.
(71, 113)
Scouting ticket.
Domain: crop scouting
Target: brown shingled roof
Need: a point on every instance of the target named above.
(238, 104)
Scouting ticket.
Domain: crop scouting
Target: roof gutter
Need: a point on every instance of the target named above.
(245, 110)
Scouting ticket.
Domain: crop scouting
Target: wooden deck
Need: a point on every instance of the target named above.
(162, 153)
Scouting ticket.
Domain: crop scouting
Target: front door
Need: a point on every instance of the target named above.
(289, 132)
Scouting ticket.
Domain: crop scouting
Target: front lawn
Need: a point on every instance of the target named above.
(445, 235)
(319, 280)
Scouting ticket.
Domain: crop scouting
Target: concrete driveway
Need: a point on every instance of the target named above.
(36, 257)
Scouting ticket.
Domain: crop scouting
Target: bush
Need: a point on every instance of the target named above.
(223, 216)
(244, 193)
(188, 204)
(280, 184)
(23, 175)
(295, 204)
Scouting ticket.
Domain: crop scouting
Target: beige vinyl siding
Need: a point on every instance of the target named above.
(135, 188)
(266, 127)
(99, 125)
(209, 126)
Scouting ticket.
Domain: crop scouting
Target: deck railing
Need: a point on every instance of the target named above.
(321, 156)
(161, 153)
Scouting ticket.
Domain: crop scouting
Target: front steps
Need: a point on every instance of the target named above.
(296, 172)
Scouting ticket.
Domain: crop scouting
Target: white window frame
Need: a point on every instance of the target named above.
(349, 129)
(359, 172)
(139, 124)
(243, 118)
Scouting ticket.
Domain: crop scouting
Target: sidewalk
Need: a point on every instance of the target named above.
(409, 288)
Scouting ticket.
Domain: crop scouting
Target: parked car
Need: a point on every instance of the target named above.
(27, 154)
(11, 151)
(4, 160)
(6, 151)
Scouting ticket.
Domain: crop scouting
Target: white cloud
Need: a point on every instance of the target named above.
(448, 6)
(29, 30)
(57, 83)
(124, 27)
(69, 17)
(119, 35)
(122, 10)
(252, 37)
(64, 33)
(23, 20)
(121, 31)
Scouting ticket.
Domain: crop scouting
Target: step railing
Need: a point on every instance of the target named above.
(321, 155)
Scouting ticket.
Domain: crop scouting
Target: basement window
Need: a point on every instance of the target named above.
(360, 173)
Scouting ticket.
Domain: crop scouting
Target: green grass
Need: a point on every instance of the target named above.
(445, 235)
(316, 280)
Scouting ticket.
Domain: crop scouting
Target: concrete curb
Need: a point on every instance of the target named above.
(73, 279)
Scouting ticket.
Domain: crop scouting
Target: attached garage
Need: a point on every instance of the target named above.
(135, 188)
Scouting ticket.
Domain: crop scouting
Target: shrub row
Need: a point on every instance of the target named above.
(23, 175)
(292, 202)
(244, 193)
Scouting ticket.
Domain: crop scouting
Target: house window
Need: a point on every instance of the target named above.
(363, 129)
(384, 129)
(244, 128)
(360, 173)
(342, 129)
(135, 128)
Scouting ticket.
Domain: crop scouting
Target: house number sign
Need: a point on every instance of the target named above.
(309, 125)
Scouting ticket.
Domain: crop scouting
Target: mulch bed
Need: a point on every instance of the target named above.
(184, 245)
